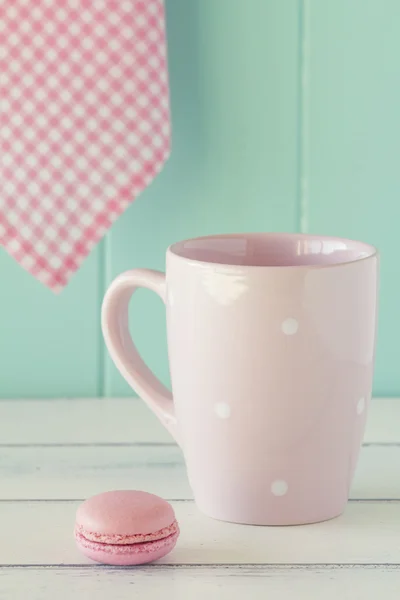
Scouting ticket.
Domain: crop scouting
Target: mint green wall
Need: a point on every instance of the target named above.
(285, 117)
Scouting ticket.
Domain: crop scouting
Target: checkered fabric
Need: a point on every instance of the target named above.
(84, 123)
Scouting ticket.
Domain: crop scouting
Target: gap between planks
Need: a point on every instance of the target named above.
(367, 533)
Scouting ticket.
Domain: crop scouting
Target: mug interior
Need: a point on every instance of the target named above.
(272, 250)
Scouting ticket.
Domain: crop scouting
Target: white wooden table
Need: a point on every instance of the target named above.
(54, 453)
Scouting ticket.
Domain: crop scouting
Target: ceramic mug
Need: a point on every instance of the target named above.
(271, 341)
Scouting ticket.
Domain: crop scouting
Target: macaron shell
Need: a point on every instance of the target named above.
(126, 513)
(126, 555)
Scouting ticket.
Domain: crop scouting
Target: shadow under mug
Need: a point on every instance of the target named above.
(271, 342)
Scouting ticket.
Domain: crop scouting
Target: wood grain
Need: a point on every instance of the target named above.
(73, 472)
(129, 421)
(368, 533)
(214, 583)
(58, 451)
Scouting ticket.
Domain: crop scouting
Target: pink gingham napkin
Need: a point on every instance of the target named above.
(84, 123)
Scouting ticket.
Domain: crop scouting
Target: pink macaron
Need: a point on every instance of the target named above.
(125, 528)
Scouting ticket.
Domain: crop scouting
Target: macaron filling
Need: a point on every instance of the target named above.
(126, 539)
(113, 547)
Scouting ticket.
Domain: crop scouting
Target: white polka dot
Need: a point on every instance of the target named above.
(41, 120)
(31, 160)
(55, 135)
(6, 132)
(110, 191)
(45, 175)
(133, 139)
(80, 136)
(33, 187)
(91, 124)
(89, 70)
(14, 66)
(100, 30)
(108, 164)
(106, 137)
(30, 134)
(39, 67)
(55, 261)
(118, 126)
(147, 153)
(279, 487)
(102, 57)
(20, 174)
(222, 410)
(37, 218)
(13, 39)
(49, 27)
(40, 94)
(70, 176)
(62, 41)
(91, 98)
(29, 107)
(61, 218)
(127, 32)
(360, 406)
(158, 141)
(18, 146)
(87, 43)
(68, 149)
(81, 163)
(65, 95)
(117, 99)
(122, 178)
(51, 233)
(12, 12)
(86, 16)
(290, 326)
(27, 53)
(67, 122)
(58, 189)
(62, 14)
(83, 190)
(114, 44)
(95, 177)
(143, 100)
(43, 147)
(16, 93)
(52, 81)
(14, 245)
(65, 247)
(27, 79)
(64, 68)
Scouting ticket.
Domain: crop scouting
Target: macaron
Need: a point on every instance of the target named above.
(125, 527)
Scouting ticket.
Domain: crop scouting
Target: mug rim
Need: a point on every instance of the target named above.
(372, 251)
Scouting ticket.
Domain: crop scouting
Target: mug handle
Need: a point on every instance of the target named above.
(115, 326)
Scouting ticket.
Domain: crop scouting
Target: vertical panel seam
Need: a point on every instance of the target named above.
(303, 116)
(104, 272)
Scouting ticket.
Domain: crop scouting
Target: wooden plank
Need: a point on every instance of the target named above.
(79, 472)
(353, 142)
(234, 99)
(70, 472)
(368, 533)
(79, 421)
(99, 421)
(48, 342)
(197, 583)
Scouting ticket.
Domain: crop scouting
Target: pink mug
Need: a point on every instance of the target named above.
(271, 341)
